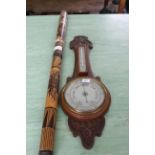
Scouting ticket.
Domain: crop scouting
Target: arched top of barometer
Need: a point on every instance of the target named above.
(80, 41)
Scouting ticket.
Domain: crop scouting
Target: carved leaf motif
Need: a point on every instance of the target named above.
(49, 118)
(87, 130)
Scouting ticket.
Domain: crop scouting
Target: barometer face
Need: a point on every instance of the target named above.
(84, 94)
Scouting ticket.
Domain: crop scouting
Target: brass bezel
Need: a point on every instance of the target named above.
(90, 114)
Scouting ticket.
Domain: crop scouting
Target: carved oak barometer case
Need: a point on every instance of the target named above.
(84, 98)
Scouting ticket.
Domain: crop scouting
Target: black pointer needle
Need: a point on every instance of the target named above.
(85, 93)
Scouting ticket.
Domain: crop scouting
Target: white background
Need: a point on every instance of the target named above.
(13, 77)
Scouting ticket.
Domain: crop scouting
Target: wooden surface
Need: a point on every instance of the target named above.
(109, 58)
(121, 6)
(72, 6)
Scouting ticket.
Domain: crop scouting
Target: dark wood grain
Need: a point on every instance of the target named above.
(87, 125)
(87, 130)
(71, 6)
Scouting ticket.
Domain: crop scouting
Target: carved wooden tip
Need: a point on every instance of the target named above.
(47, 139)
(80, 41)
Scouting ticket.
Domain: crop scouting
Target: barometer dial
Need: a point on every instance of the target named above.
(84, 94)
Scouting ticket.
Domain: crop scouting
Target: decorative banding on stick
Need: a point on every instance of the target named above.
(49, 121)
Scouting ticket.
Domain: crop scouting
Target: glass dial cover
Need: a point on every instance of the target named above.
(84, 94)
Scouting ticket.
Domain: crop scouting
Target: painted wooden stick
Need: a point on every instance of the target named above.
(48, 128)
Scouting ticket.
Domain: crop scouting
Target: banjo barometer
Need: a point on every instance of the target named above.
(84, 98)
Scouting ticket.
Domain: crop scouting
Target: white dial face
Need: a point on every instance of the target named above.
(84, 94)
